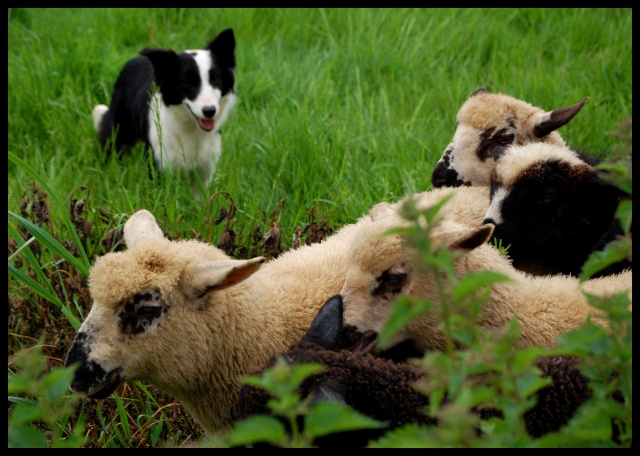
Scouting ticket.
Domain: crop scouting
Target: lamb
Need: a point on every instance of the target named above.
(383, 267)
(489, 120)
(187, 318)
(384, 388)
(552, 208)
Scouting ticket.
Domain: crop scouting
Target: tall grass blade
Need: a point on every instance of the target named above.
(86, 264)
(50, 243)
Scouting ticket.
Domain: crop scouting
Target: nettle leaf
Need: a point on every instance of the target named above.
(525, 358)
(613, 252)
(26, 437)
(587, 340)
(259, 428)
(617, 306)
(330, 417)
(624, 213)
(282, 378)
(402, 312)
(476, 280)
(56, 383)
(530, 382)
(409, 436)
(463, 335)
(25, 413)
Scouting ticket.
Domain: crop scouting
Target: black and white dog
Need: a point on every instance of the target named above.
(180, 120)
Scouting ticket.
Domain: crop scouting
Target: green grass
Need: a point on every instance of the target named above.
(338, 109)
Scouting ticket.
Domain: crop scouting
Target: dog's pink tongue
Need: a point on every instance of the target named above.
(207, 124)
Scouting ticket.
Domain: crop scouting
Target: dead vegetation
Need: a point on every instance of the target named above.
(33, 320)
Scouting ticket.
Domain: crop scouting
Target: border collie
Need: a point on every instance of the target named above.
(180, 120)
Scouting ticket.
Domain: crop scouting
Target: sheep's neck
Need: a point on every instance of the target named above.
(267, 313)
(545, 306)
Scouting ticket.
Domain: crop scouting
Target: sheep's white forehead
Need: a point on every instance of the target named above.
(494, 211)
(151, 263)
(517, 159)
(493, 109)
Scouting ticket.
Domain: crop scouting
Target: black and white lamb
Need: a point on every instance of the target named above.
(489, 120)
(552, 208)
(382, 386)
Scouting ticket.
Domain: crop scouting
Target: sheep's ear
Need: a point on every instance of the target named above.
(202, 278)
(465, 238)
(545, 123)
(478, 91)
(141, 225)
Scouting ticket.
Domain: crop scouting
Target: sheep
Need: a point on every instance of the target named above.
(552, 208)
(187, 318)
(489, 120)
(383, 267)
(384, 388)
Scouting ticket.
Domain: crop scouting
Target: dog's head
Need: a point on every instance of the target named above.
(203, 80)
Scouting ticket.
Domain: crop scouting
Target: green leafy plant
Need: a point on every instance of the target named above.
(619, 171)
(313, 152)
(42, 404)
(283, 428)
(487, 371)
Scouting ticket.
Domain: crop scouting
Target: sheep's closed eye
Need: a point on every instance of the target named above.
(390, 283)
(505, 140)
(143, 314)
(149, 312)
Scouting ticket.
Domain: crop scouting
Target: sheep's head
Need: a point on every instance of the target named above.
(550, 206)
(136, 328)
(487, 121)
(383, 266)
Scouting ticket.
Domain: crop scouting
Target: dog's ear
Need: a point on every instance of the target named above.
(165, 63)
(166, 67)
(223, 47)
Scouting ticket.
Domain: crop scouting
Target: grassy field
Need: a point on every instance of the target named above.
(338, 109)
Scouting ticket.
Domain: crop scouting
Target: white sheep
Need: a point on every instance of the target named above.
(489, 120)
(190, 320)
(383, 267)
(466, 205)
(552, 208)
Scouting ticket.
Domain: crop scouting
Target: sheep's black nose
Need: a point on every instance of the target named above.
(327, 326)
(488, 220)
(442, 176)
(209, 111)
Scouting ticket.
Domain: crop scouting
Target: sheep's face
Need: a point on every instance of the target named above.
(150, 304)
(549, 205)
(488, 122)
(383, 267)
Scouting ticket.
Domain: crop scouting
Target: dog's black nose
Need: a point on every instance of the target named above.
(209, 111)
